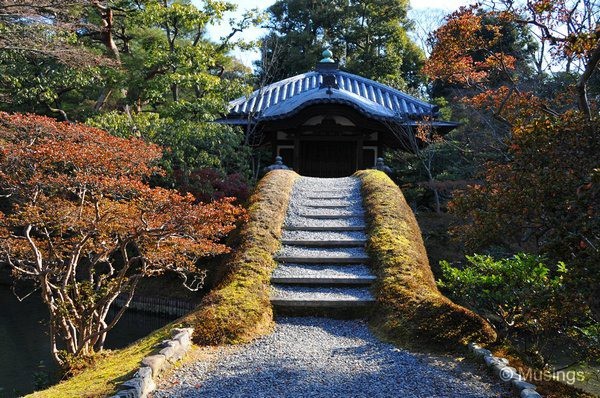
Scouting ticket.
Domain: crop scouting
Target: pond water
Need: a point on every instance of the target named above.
(25, 347)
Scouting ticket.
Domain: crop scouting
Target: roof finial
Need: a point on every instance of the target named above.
(327, 54)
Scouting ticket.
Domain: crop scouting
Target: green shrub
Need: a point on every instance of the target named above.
(513, 293)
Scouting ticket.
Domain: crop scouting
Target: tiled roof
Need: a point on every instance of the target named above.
(286, 97)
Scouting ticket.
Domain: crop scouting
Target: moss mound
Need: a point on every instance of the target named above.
(239, 309)
(410, 308)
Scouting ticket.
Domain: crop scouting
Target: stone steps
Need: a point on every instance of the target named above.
(302, 296)
(321, 206)
(321, 235)
(322, 274)
(329, 197)
(322, 261)
(324, 243)
(326, 228)
(322, 280)
(331, 216)
(336, 192)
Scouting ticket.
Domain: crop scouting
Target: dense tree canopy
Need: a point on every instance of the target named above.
(154, 55)
(367, 37)
(542, 194)
(81, 223)
(134, 68)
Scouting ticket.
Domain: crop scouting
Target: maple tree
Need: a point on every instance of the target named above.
(542, 194)
(79, 221)
(466, 52)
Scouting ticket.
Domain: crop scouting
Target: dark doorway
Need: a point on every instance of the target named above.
(327, 158)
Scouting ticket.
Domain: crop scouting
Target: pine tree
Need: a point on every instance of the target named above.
(368, 37)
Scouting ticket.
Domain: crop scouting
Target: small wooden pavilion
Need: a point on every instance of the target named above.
(330, 123)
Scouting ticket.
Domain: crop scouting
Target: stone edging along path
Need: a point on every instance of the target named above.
(499, 366)
(142, 383)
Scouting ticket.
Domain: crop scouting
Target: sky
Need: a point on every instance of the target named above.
(439, 7)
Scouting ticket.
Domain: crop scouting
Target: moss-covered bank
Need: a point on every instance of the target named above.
(239, 309)
(410, 309)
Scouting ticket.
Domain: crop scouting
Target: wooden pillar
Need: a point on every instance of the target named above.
(297, 152)
(359, 152)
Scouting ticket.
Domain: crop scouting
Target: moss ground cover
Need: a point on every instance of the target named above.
(108, 370)
(410, 309)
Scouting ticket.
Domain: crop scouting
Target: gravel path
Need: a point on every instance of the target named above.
(317, 357)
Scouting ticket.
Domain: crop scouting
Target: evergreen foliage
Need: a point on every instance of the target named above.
(369, 38)
(134, 68)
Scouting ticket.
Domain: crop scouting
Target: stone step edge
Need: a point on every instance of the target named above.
(318, 280)
(326, 197)
(331, 216)
(319, 206)
(326, 243)
(322, 260)
(325, 228)
(333, 303)
(309, 191)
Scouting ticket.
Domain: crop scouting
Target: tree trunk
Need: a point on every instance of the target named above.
(591, 65)
(104, 94)
(175, 91)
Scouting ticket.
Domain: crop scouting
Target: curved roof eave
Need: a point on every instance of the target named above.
(387, 98)
(330, 96)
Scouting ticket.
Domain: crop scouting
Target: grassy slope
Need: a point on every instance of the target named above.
(238, 310)
(411, 310)
(108, 372)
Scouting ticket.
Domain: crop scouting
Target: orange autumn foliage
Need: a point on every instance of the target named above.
(512, 106)
(465, 56)
(542, 194)
(79, 220)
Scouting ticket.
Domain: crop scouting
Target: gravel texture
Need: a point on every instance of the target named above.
(331, 202)
(315, 222)
(311, 195)
(303, 251)
(324, 271)
(309, 211)
(325, 235)
(317, 293)
(316, 357)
